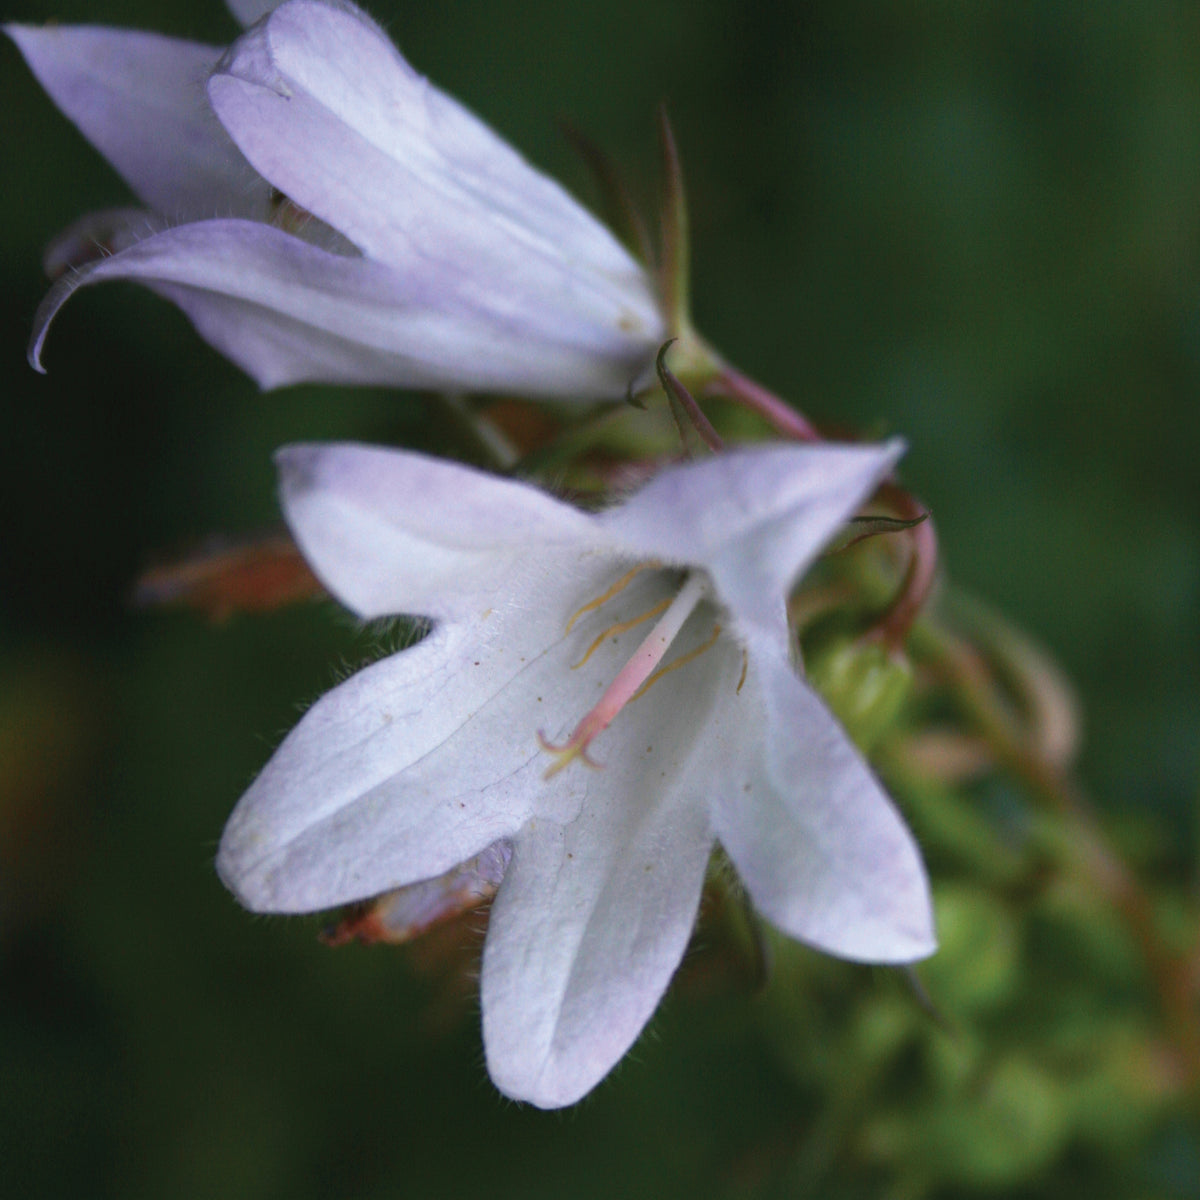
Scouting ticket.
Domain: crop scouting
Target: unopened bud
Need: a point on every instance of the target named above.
(864, 683)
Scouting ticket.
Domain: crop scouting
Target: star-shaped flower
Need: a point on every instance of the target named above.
(605, 696)
(321, 212)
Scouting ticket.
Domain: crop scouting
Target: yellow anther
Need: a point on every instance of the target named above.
(742, 678)
(622, 627)
(681, 661)
(635, 676)
(619, 586)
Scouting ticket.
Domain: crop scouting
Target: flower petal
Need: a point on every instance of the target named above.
(819, 845)
(391, 531)
(246, 12)
(357, 800)
(416, 763)
(327, 109)
(590, 924)
(286, 311)
(139, 99)
(594, 913)
(756, 518)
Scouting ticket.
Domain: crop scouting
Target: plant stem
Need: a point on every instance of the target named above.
(730, 382)
(1059, 792)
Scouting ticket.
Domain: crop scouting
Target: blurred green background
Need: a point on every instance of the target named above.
(974, 224)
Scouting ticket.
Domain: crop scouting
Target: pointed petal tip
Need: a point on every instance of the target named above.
(241, 884)
(21, 34)
(60, 292)
(297, 467)
(250, 878)
(902, 934)
(901, 948)
(548, 1084)
(892, 940)
(34, 40)
(37, 339)
(538, 1092)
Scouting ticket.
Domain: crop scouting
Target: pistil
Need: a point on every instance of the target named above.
(630, 679)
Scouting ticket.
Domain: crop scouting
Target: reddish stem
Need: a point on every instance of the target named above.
(732, 383)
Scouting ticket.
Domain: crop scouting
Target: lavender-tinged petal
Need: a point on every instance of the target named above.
(139, 98)
(822, 850)
(416, 763)
(392, 531)
(257, 293)
(363, 796)
(755, 517)
(395, 151)
(590, 924)
(246, 12)
(326, 108)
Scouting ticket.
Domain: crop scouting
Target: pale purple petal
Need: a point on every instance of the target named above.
(139, 98)
(246, 12)
(325, 107)
(419, 761)
(595, 912)
(285, 310)
(357, 800)
(391, 531)
(818, 844)
(328, 109)
(590, 924)
(756, 518)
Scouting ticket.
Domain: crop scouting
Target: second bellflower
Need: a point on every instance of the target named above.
(601, 698)
(321, 212)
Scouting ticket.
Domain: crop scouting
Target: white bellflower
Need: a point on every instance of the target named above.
(321, 212)
(604, 696)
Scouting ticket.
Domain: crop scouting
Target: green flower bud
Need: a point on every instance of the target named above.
(864, 683)
(977, 966)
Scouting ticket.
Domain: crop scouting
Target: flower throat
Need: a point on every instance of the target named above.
(642, 670)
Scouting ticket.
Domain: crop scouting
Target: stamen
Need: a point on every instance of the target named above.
(619, 586)
(681, 661)
(628, 683)
(737, 691)
(622, 627)
(565, 755)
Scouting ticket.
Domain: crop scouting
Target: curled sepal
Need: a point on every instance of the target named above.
(1048, 707)
(859, 529)
(682, 400)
